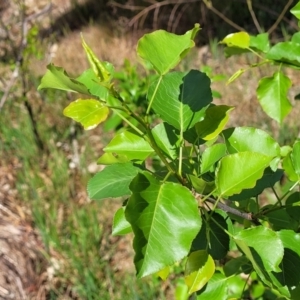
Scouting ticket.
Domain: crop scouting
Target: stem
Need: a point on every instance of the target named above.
(255, 21)
(153, 96)
(277, 197)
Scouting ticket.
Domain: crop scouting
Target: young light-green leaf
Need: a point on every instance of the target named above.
(165, 220)
(240, 171)
(164, 50)
(238, 39)
(216, 117)
(88, 112)
(131, 145)
(99, 68)
(181, 98)
(200, 267)
(296, 10)
(211, 155)
(57, 78)
(272, 96)
(112, 182)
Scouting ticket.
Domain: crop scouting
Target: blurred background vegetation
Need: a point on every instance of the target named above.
(55, 243)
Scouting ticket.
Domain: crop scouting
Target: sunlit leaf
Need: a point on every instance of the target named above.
(98, 67)
(211, 155)
(165, 220)
(200, 267)
(57, 78)
(110, 158)
(272, 96)
(181, 98)
(88, 112)
(216, 117)
(296, 10)
(164, 50)
(240, 139)
(112, 182)
(239, 39)
(120, 224)
(240, 171)
(130, 145)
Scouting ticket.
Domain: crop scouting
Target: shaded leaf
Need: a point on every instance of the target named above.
(130, 145)
(181, 98)
(165, 220)
(199, 269)
(88, 112)
(57, 78)
(164, 50)
(112, 182)
(240, 171)
(293, 206)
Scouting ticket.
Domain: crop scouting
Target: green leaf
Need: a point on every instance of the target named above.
(57, 78)
(216, 117)
(165, 220)
(89, 79)
(200, 185)
(293, 206)
(237, 265)
(200, 267)
(167, 138)
(296, 10)
(216, 288)
(130, 145)
(112, 182)
(260, 42)
(295, 157)
(280, 219)
(296, 37)
(236, 75)
(98, 67)
(88, 112)
(272, 96)
(181, 98)
(240, 171)
(285, 52)
(211, 155)
(164, 50)
(288, 167)
(290, 264)
(110, 158)
(268, 180)
(212, 237)
(239, 39)
(240, 139)
(261, 246)
(120, 224)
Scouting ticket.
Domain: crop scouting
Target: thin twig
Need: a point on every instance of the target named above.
(255, 21)
(274, 26)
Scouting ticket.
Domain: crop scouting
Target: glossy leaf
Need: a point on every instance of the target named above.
(296, 10)
(240, 139)
(216, 117)
(216, 288)
(120, 224)
(211, 155)
(88, 112)
(167, 138)
(212, 237)
(239, 39)
(285, 52)
(98, 67)
(57, 78)
(261, 243)
(181, 98)
(130, 145)
(164, 50)
(165, 220)
(268, 180)
(240, 171)
(112, 182)
(200, 267)
(272, 95)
